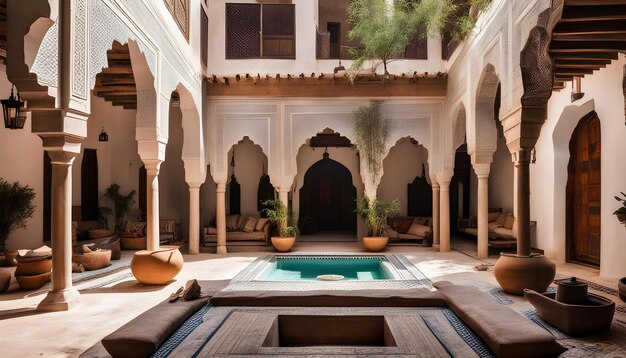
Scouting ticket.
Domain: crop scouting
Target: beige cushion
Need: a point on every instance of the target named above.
(493, 225)
(238, 236)
(261, 224)
(211, 230)
(505, 331)
(419, 230)
(504, 233)
(135, 227)
(501, 218)
(241, 221)
(471, 231)
(167, 225)
(492, 217)
(420, 221)
(508, 223)
(231, 222)
(250, 224)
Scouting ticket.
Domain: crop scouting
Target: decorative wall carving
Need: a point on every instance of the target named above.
(537, 69)
(79, 58)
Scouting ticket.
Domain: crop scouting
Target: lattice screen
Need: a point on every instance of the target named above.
(243, 28)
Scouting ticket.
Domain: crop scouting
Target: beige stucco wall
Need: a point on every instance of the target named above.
(249, 167)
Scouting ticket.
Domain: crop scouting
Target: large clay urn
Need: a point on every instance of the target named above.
(622, 288)
(157, 267)
(375, 244)
(515, 273)
(283, 244)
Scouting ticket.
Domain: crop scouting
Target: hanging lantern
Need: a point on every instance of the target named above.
(14, 117)
(103, 137)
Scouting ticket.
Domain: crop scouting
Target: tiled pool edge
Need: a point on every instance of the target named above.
(412, 277)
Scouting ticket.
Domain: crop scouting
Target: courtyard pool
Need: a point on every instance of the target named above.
(297, 268)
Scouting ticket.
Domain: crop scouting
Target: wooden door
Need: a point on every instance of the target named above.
(583, 192)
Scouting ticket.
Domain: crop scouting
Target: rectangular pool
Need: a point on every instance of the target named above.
(297, 268)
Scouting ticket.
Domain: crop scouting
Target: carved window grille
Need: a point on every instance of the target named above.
(180, 12)
(204, 38)
(260, 30)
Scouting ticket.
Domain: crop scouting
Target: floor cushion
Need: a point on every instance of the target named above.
(250, 224)
(231, 222)
(506, 332)
(419, 230)
(509, 222)
(492, 217)
(501, 218)
(261, 224)
(504, 233)
(493, 225)
(143, 336)
(99, 233)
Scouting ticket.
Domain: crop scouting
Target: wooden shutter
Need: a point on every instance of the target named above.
(204, 38)
(180, 12)
(243, 28)
(417, 48)
(279, 30)
(89, 185)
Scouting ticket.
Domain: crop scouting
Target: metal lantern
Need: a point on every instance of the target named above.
(14, 117)
(103, 137)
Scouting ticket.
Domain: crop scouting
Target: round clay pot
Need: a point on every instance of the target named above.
(283, 244)
(515, 273)
(375, 244)
(134, 243)
(33, 282)
(156, 267)
(33, 268)
(10, 258)
(622, 288)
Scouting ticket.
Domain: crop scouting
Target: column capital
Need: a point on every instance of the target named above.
(152, 166)
(283, 189)
(521, 156)
(482, 170)
(221, 187)
(194, 186)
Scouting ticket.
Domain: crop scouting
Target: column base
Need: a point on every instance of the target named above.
(221, 250)
(435, 247)
(62, 300)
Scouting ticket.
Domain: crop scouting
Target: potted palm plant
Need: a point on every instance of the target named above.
(16, 205)
(621, 217)
(375, 214)
(285, 226)
(121, 205)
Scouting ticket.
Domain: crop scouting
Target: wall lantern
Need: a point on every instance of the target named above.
(339, 68)
(103, 137)
(577, 92)
(12, 109)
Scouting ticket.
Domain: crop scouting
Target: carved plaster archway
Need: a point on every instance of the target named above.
(484, 141)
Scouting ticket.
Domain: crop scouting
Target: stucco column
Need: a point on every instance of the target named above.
(63, 295)
(482, 172)
(522, 165)
(444, 209)
(220, 218)
(194, 218)
(435, 215)
(283, 195)
(152, 224)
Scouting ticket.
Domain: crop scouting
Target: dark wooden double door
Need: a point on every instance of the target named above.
(584, 192)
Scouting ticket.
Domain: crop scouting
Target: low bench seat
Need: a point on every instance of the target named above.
(419, 297)
(143, 336)
(507, 333)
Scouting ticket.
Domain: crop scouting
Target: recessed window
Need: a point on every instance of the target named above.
(260, 31)
(180, 12)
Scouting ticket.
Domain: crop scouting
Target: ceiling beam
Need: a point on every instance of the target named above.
(593, 13)
(590, 27)
(591, 46)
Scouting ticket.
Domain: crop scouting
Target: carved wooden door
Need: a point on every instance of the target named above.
(584, 193)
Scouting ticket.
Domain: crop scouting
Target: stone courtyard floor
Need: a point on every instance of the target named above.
(108, 302)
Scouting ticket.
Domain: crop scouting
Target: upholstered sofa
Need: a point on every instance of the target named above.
(407, 229)
(500, 226)
(238, 231)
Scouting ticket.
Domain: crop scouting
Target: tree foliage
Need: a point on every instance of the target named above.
(16, 205)
(121, 204)
(371, 129)
(383, 30)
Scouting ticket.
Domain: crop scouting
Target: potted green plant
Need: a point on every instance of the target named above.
(121, 205)
(375, 213)
(620, 213)
(16, 205)
(285, 226)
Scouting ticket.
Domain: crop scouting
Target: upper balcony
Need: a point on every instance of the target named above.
(293, 37)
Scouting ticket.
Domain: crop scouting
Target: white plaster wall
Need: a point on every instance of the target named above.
(22, 161)
(118, 161)
(308, 156)
(305, 62)
(401, 166)
(249, 167)
(603, 92)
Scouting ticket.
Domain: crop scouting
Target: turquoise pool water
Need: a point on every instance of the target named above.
(308, 268)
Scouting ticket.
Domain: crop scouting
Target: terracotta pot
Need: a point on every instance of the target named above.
(134, 243)
(157, 267)
(622, 288)
(375, 244)
(515, 273)
(10, 258)
(94, 260)
(33, 282)
(33, 268)
(283, 244)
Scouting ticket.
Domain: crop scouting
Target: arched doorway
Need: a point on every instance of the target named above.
(327, 196)
(584, 192)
